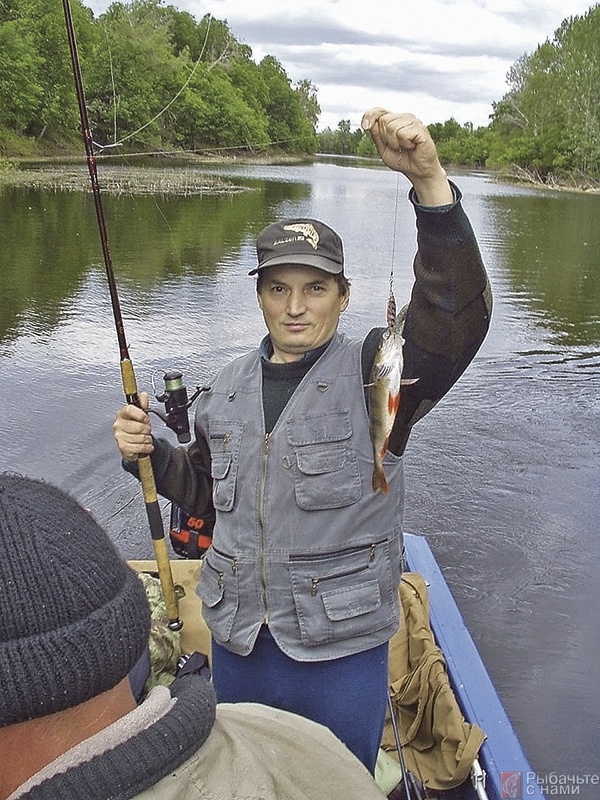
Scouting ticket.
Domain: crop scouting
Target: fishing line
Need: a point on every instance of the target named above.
(199, 151)
(122, 140)
(166, 108)
(391, 302)
(118, 143)
(395, 228)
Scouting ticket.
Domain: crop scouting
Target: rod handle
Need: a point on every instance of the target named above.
(157, 531)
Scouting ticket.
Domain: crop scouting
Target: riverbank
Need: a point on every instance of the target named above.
(149, 173)
(119, 180)
(559, 183)
(183, 173)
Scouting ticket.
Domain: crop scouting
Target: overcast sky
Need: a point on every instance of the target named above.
(439, 59)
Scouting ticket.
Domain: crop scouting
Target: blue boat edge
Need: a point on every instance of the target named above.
(507, 771)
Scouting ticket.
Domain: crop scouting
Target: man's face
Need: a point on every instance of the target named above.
(301, 307)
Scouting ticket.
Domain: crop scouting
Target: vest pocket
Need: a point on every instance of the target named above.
(341, 596)
(224, 439)
(323, 461)
(223, 474)
(218, 589)
(326, 477)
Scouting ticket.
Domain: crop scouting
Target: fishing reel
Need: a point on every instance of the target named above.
(177, 404)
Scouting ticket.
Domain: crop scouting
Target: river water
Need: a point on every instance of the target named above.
(503, 476)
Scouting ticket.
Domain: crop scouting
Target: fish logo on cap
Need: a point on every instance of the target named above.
(307, 230)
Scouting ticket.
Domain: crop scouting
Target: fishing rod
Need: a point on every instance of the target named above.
(146, 472)
(412, 790)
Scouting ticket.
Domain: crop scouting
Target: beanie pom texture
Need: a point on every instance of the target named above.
(74, 618)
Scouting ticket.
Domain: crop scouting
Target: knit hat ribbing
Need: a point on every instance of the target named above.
(74, 618)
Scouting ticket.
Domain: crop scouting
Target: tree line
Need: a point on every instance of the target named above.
(547, 125)
(158, 79)
(154, 78)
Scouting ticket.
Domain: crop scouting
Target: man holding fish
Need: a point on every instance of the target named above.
(298, 449)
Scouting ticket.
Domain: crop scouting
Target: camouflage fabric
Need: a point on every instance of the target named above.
(165, 644)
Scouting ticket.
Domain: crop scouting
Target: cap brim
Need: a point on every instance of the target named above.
(304, 260)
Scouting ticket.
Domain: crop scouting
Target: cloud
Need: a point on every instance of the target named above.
(422, 77)
(313, 34)
(436, 58)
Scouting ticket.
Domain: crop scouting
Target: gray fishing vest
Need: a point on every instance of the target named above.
(301, 542)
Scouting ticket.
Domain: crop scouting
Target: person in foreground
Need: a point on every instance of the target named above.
(300, 585)
(74, 620)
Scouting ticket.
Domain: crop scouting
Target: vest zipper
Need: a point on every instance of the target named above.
(314, 582)
(322, 558)
(261, 502)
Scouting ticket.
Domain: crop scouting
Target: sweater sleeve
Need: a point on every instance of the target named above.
(449, 311)
(182, 474)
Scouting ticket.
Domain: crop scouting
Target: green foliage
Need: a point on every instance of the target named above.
(219, 115)
(366, 147)
(307, 94)
(35, 68)
(344, 142)
(6, 165)
(154, 77)
(461, 144)
(21, 93)
(134, 74)
(288, 127)
(550, 118)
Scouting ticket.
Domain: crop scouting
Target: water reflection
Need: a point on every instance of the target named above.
(553, 261)
(50, 243)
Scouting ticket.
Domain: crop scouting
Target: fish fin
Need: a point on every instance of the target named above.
(393, 405)
(408, 381)
(382, 371)
(379, 481)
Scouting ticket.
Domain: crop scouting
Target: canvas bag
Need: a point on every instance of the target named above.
(439, 746)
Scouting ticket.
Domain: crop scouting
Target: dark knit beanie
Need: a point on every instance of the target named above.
(74, 618)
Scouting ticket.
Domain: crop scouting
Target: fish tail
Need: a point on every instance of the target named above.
(379, 481)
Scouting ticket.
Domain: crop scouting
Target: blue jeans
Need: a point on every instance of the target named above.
(348, 695)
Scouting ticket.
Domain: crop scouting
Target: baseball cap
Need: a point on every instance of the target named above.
(299, 242)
